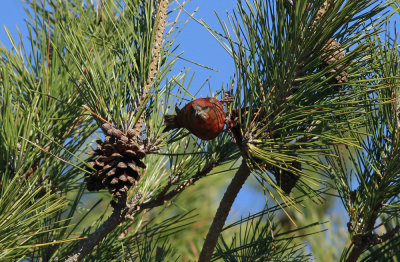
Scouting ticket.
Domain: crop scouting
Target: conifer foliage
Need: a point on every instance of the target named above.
(89, 172)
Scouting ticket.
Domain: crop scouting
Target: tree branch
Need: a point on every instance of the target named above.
(364, 241)
(160, 26)
(123, 211)
(223, 210)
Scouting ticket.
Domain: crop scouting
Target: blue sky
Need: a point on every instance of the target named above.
(196, 43)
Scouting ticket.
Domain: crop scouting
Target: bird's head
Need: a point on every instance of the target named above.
(201, 111)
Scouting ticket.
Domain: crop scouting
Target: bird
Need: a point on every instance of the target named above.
(203, 117)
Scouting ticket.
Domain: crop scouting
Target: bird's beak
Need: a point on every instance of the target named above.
(199, 113)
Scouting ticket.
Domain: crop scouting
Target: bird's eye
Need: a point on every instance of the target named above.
(206, 107)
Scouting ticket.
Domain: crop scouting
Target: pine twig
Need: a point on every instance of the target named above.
(222, 212)
(397, 111)
(160, 26)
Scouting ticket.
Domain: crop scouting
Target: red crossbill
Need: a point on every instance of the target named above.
(203, 117)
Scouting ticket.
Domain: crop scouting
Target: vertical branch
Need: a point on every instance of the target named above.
(397, 111)
(222, 212)
(160, 26)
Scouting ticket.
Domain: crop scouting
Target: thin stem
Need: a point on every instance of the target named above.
(223, 210)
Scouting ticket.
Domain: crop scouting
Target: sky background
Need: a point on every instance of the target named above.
(196, 43)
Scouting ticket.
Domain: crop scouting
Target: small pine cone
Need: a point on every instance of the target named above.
(117, 133)
(287, 180)
(333, 52)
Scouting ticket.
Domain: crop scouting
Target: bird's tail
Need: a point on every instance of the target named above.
(170, 122)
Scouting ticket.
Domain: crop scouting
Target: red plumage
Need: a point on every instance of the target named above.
(203, 117)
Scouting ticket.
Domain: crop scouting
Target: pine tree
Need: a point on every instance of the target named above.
(312, 119)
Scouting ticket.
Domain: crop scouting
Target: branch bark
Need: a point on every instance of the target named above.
(158, 40)
(222, 212)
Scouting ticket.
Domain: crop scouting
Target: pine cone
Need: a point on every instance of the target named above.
(116, 161)
(286, 179)
(321, 11)
(333, 52)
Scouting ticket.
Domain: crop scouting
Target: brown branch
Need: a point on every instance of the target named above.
(160, 26)
(365, 238)
(223, 210)
(123, 211)
(397, 112)
(385, 237)
(362, 242)
(160, 200)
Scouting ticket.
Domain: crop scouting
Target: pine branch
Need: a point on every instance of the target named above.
(362, 242)
(397, 111)
(223, 210)
(161, 17)
(123, 211)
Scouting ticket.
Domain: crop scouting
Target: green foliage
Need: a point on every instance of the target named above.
(369, 185)
(26, 203)
(150, 242)
(260, 239)
(288, 109)
(85, 63)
